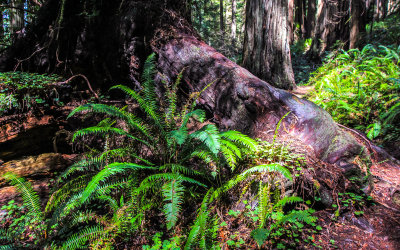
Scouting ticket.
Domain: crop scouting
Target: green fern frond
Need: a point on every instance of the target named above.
(6, 235)
(78, 218)
(133, 121)
(274, 167)
(121, 153)
(155, 178)
(286, 200)
(292, 217)
(75, 185)
(81, 238)
(264, 197)
(229, 156)
(110, 201)
(204, 155)
(179, 135)
(171, 94)
(29, 196)
(82, 166)
(240, 139)
(199, 226)
(105, 131)
(173, 196)
(198, 114)
(109, 170)
(209, 136)
(152, 114)
(235, 149)
(149, 94)
(180, 169)
(7, 247)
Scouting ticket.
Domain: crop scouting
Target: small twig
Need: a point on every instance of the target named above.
(87, 82)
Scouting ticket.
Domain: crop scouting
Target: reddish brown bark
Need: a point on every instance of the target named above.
(266, 50)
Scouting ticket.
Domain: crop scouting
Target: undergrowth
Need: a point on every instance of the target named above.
(361, 89)
(21, 90)
(163, 162)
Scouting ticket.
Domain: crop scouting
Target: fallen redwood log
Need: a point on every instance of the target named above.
(238, 100)
(39, 170)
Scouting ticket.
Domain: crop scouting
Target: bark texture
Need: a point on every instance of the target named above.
(310, 20)
(233, 24)
(266, 49)
(357, 24)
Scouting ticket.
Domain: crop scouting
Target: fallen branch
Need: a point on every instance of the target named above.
(87, 82)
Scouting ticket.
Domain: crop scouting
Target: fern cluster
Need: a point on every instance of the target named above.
(149, 161)
(360, 89)
(157, 164)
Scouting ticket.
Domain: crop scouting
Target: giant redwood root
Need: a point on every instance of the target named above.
(238, 100)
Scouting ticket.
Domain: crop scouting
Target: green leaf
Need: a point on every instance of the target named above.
(260, 235)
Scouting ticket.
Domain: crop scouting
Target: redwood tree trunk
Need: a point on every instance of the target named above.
(233, 24)
(291, 20)
(266, 50)
(357, 25)
(221, 22)
(16, 15)
(310, 21)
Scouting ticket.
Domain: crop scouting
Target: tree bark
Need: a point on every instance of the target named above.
(266, 50)
(291, 20)
(310, 20)
(357, 24)
(1, 27)
(16, 15)
(221, 22)
(233, 24)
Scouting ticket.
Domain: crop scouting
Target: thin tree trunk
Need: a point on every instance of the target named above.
(1, 26)
(291, 20)
(16, 15)
(299, 17)
(357, 24)
(233, 24)
(222, 21)
(310, 21)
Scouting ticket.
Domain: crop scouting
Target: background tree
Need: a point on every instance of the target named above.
(357, 23)
(331, 25)
(233, 23)
(300, 13)
(17, 14)
(310, 19)
(266, 51)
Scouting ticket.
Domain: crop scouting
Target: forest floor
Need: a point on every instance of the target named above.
(378, 228)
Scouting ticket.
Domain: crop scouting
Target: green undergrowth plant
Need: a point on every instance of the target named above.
(361, 89)
(384, 32)
(149, 160)
(23, 226)
(22, 90)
